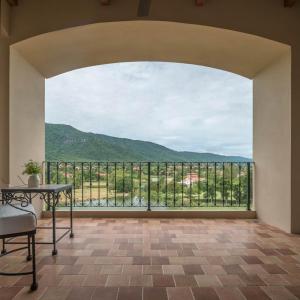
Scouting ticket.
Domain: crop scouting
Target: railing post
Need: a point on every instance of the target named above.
(48, 172)
(149, 187)
(249, 186)
(48, 179)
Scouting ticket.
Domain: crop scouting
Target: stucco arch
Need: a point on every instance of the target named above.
(265, 61)
(65, 50)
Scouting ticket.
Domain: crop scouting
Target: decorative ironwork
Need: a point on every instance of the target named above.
(51, 195)
(18, 201)
(153, 184)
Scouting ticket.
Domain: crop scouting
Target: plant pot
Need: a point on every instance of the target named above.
(34, 181)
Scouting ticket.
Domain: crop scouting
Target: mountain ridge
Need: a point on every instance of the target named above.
(66, 143)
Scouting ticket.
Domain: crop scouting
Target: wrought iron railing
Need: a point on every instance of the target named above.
(155, 184)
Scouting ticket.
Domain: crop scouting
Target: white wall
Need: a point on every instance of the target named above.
(272, 143)
(26, 116)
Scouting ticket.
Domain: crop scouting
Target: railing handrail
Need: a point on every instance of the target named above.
(146, 162)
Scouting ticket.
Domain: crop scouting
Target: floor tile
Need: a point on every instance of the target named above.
(111, 269)
(254, 292)
(213, 270)
(207, 280)
(72, 280)
(155, 293)
(132, 293)
(295, 290)
(141, 280)
(192, 269)
(234, 269)
(172, 269)
(185, 281)
(56, 293)
(279, 293)
(118, 280)
(231, 280)
(159, 260)
(132, 269)
(105, 293)
(252, 279)
(274, 279)
(179, 293)
(80, 293)
(163, 281)
(251, 260)
(273, 269)
(95, 280)
(205, 293)
(152, 269)
(7, 293)
(141, 260)
(229, 293)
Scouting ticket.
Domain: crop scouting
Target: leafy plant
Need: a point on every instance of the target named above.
(32, 167)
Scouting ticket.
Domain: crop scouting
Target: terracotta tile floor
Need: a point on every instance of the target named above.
(189, 259)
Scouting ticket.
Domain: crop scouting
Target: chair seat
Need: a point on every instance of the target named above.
(13, 220)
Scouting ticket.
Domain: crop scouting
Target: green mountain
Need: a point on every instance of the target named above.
(66, 143)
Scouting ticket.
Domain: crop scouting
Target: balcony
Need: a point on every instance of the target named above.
(139, 258)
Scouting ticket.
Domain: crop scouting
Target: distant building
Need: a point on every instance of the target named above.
(191, 178)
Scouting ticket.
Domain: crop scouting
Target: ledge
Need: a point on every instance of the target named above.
(155, 214)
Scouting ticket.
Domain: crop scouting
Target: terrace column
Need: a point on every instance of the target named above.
(295, 136)
(27, 116)
(4, 110)
(272, 143)
(277, 142)
(4, 91)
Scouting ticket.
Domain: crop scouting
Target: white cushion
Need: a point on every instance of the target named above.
(13, 220)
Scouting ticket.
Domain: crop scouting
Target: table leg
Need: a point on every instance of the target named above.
(3, 251)
(29, 257)
(54, 251)
(71, 215)
(34, 284)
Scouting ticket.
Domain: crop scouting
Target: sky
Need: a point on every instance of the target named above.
(180, 106)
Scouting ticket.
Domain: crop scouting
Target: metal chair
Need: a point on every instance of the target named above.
(18, 218)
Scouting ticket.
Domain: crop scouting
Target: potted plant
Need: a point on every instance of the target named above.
(33, 169)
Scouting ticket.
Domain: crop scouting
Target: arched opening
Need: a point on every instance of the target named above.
(266, 62)
(192, 124)
(184, 107)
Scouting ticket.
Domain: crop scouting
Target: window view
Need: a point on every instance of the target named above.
(151, 133)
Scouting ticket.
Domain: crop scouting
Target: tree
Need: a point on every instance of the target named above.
(123, 185)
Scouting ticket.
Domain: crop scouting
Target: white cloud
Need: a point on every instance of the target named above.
(184, 107)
